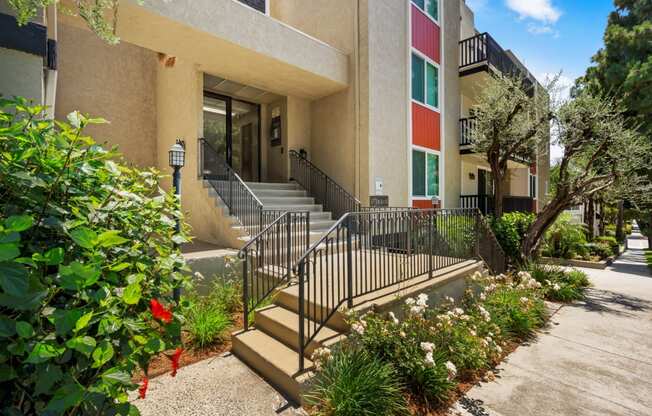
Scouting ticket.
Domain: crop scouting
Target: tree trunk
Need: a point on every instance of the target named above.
(535, 232)
(649, 232)
(499, 191)
(590, 218)
(601, 223)
(620, 232)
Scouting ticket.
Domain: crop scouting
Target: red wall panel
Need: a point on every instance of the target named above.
(425, 127)
(424, 204)
(425, 34)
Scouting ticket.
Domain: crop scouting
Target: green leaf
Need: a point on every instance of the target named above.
(47, 377)
(42, 352)
(19, 223)
(84, 237)
(54, 256)
(78, 276)
(84, 344)
(132, 294)
(83, 321)
(108, 325)
(64, 398)
(9, 251)
(102, 354)
(111, 238)
(120, 267)
(154, 345)
(27, 302)
(7, 327)
(6, 373)
(114, 375)
(13, 279)
(24, 329)
(12, 237)
(65, 320)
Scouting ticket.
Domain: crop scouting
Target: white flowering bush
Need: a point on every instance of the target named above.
(558, 284)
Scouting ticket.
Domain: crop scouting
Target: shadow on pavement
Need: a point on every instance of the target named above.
(604, 301)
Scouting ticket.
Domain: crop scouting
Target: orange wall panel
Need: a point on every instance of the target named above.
(425, 127)
(425, 35)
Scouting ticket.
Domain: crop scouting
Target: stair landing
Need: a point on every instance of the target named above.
(271, 347)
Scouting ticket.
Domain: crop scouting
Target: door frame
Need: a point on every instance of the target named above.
(228, 100)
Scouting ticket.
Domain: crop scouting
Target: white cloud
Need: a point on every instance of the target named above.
(541, 10)
(476, 5)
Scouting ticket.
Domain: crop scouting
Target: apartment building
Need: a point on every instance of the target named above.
(372, 96)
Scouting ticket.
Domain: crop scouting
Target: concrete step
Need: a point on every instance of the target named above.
(283, 324)
(276, 193)
(306, 207)
(254, 186)
(288, 298)
(320, 225)
(275, 361)
(286, 200)
(245, 237)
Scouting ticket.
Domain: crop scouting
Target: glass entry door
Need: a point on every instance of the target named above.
(232, 129)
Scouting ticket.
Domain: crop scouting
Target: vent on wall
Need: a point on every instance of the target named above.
(256, 4)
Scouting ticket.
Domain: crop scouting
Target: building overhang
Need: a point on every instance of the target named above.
(236, 42)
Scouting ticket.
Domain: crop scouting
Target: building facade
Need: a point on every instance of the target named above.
(375, 93)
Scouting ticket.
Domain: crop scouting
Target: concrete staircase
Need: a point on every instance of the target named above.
(287, 196)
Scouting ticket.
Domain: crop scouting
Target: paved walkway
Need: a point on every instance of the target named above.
(220, 386)
(594, 359)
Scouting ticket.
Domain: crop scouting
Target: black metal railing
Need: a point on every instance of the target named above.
(333, 197)
(467, 125)
(489, 248)
(364, 252)
(485, 203)
(269, 256)
(235, 193)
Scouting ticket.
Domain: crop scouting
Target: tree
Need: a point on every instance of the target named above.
(510, 124)
(101, 16)
(600, 153)
(623, 67)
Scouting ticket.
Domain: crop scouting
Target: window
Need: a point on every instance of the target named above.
(431, 7)
(425, 81)
(533, 186)
(425, 173)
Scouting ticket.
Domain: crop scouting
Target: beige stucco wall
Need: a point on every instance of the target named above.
(519, 181)
(115, 82)
(467, 20)
(387, 42)
(453, 175)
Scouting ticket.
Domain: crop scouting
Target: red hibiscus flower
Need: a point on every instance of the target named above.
(175, 360)
(142, 390)
(159, 311)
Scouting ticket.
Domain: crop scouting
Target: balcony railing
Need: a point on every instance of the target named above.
(485, 203)
(466, 129)
(483, 49)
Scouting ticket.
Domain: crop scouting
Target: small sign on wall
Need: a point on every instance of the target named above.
(378, 201)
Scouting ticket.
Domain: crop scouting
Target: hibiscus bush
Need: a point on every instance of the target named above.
(432, 348)
(87, 267)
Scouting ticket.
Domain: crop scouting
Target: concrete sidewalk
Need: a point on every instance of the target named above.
(594, 359)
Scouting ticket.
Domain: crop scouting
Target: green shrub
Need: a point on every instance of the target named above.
(510, 230)
(559, 284)
(356, 383)
(565, 239)
(206, 323)
(601, 250)
(577, 278)
(87, 266)
(517, 312)
(611, 241)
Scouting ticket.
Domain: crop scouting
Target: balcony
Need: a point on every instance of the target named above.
(466, 141)
(481, 53)
(485, 203)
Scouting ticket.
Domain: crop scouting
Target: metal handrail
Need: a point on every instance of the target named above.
(326, 191)
(236, 194)
(269, 256)
(367, 251)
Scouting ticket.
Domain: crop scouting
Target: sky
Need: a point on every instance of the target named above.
(548, 36)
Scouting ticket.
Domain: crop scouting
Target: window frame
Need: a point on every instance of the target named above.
(427, 60)
(426, 151)
(532, 185)
(425, 12)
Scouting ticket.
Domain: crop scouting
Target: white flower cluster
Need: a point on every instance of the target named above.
(418, 306)
(393, 318)
(527, 282)
(320, 356)
(359, 326)
(452, 370)
(485, 314)
(525, 301)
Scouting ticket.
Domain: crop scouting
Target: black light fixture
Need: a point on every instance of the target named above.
(177, 155)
